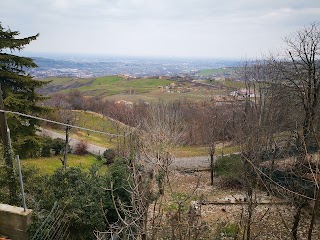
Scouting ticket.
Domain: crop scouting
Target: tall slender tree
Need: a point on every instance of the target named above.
(301, 75)
(19, 90)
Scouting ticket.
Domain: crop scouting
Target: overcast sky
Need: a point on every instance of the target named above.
(173, 28)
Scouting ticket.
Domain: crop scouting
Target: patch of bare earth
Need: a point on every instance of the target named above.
(272, 218)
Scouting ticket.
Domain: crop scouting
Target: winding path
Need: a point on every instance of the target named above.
(184, 163)
(93, 149)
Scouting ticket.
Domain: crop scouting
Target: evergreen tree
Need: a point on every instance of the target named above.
(19, 91)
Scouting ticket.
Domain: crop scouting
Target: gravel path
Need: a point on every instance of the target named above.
(94, 149)
(191, 163)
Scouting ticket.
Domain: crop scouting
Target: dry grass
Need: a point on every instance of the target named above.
(268, 219)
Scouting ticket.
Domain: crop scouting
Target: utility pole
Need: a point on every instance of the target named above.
(65, 157)
(7, 154)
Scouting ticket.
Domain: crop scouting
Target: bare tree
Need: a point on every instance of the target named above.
(161, 132)
(149, 167)
(211, 125)
(271, 131)
(299, 77)
(299, 73)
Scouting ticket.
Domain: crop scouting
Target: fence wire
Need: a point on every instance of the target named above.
(54, 227)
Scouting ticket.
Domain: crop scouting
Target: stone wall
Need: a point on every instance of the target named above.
(14, 222)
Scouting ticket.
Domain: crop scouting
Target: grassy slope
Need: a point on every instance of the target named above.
(96, 122)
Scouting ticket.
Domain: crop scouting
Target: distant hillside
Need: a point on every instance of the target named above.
(124, 87)
(106, 86)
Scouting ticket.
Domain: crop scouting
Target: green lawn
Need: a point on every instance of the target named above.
(227, 150)
(50, 164)
(194, 151)
(190, 151)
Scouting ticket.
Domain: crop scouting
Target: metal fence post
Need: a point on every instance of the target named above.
(21, 184)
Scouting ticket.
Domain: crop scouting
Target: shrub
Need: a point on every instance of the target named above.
(109, 155)
(49, 145)
(46, 147)
(100, 158)
(80, 193)
(81, 148)
(118, 173)
(28, 147)
(230, 168)
(58, 146)
(226, 230)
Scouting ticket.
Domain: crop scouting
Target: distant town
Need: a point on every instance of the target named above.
(82, 67)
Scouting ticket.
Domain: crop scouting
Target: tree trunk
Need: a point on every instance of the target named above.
(313, 217)
(248, 185)
(306, 127)
(211, 153)
(249, 191)
(211, 168)
(297, 216)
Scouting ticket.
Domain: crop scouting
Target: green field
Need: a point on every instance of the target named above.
(155, 96)
(196, 151)
(211, 71)
(50, 164)
(117, 88)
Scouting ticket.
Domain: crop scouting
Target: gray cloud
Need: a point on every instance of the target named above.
(230, 28)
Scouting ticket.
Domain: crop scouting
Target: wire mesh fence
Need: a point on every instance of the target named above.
(54, 227)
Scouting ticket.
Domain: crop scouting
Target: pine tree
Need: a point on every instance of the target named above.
(19, 91)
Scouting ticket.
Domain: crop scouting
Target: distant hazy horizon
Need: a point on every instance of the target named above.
(98, 57)
(231, 29)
